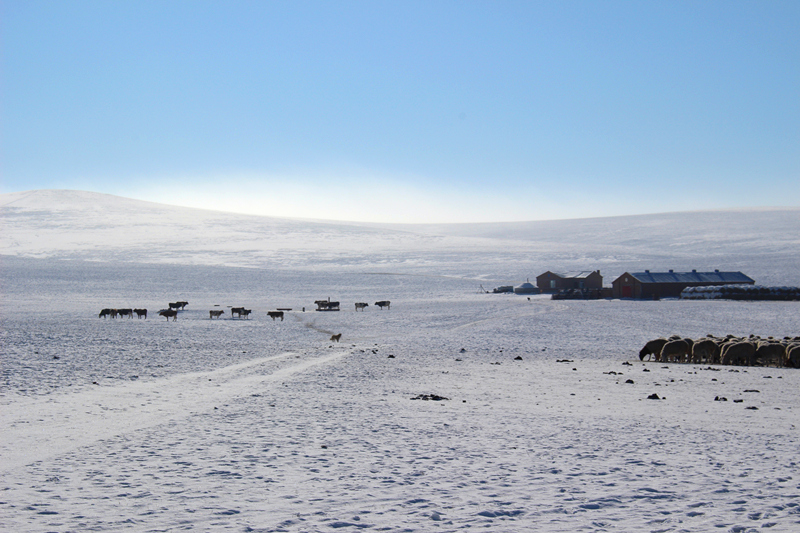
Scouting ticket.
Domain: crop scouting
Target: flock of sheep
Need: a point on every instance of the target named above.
(729, 350)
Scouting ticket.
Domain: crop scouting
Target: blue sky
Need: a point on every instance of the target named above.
(434, 111)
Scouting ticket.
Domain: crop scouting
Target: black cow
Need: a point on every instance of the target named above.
(167, 313)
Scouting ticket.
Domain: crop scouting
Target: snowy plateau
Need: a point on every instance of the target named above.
(450, 410)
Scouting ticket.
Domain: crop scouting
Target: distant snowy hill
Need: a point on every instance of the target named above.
(76, 225)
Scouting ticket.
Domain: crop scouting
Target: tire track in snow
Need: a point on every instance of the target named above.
(34, 429)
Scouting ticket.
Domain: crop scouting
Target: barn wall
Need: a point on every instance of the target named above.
(619, 285)
(648, 291)
(543, 282)
(594, 280)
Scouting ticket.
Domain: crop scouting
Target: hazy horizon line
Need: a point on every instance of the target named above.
(188, 205)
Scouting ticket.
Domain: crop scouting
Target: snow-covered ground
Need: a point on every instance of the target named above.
(262, 425)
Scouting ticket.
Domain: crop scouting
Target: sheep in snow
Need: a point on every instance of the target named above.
(770, 352)
(741, 353)
(677, 350)
(652, 348)
(705, 351)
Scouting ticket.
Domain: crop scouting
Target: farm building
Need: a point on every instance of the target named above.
(553, 282)
(654, 285)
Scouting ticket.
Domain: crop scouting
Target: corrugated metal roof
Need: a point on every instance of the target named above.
(576, 275)
(691, 277)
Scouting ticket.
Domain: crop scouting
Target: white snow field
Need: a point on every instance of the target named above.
(452, 410)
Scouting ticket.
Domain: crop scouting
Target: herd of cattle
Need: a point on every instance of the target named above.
(114, 313)
(236, 312)
(729, 350)
(328, 305)
(171, 312)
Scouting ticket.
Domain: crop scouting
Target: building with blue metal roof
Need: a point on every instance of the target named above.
(654, 285)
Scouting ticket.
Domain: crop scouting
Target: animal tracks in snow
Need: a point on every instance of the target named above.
(327, 443)
(39, 427)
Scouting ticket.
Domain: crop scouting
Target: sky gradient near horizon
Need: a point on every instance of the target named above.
(438, 111)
